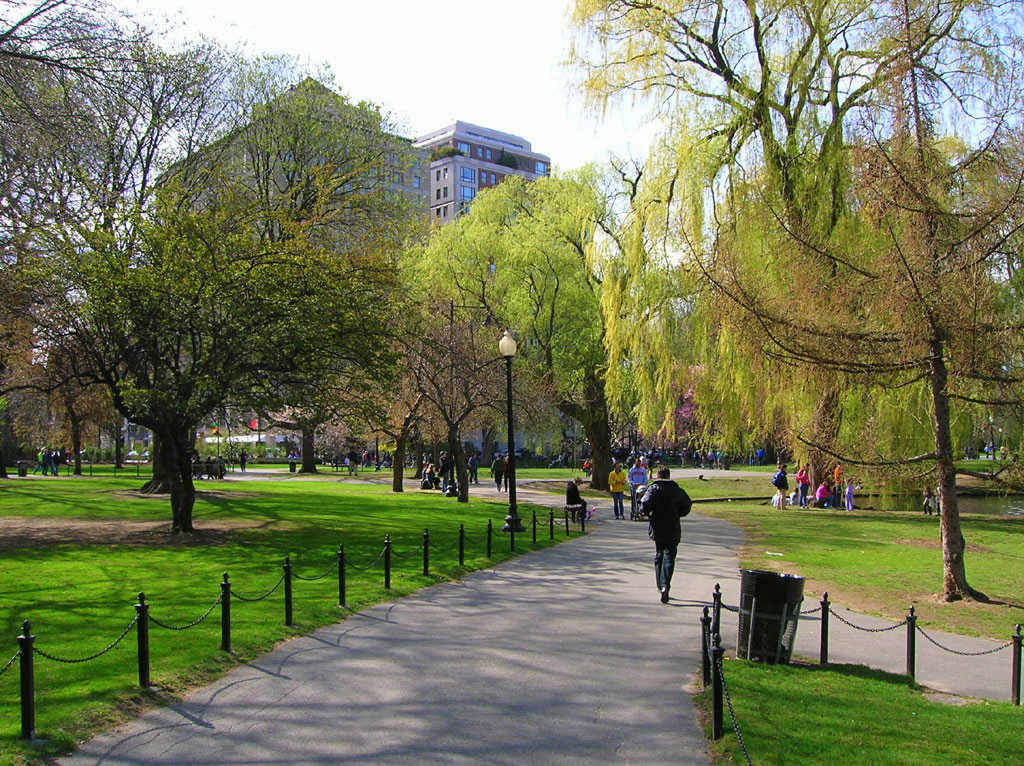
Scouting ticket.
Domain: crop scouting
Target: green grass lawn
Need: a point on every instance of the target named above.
(80, 596)
(884, 561)
(848, 714)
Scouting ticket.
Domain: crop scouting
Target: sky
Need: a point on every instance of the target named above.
(494, 64)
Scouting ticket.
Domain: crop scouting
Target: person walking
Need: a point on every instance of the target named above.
(636, 477)
(445, 469)
(617, 487)
(665, 503)
(474, 467)
(497, 471)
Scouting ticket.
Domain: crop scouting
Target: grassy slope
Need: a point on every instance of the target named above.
(885, 561)
(80, 597)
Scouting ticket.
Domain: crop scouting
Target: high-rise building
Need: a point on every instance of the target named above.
(466, 159)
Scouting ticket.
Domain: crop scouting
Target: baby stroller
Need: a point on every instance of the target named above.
(636, 512)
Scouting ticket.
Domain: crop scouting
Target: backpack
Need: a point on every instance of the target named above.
(779, 481)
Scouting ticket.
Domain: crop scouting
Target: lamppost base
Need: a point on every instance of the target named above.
(512, 521)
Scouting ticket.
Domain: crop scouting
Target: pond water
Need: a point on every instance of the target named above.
(991, 505)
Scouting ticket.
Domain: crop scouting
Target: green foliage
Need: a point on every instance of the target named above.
(444, 152)
(507, 160)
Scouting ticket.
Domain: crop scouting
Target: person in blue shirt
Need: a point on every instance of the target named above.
(637, 477)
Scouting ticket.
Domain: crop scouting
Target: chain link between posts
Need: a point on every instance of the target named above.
(866, 630)
(259, 598)
(66, 661)
(192, 624)
(10, 662)
(446, 549)
(371, 565)
(319, 576)
(957, 651)
(728, 701)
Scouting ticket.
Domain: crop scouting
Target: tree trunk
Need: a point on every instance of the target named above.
(159, 484)
(398, 465)
(308, 432)
(593, 416)
(118, 446)
(176, 465)
(76, 439)
(824, 429)
(487, 438)
(954, 574)
(458, 457)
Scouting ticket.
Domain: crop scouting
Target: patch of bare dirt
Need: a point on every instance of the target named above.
(29, 532)
(950, 699)
(935, 545)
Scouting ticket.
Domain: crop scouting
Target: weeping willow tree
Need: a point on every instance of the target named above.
(751, 94)
(875, 323)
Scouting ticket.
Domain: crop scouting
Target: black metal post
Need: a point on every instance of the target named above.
(341, 575)
(142, 633)
(534, 527)
(387, 562)
(716, 686)
(551, 524)
(583, 523)
(1015, 675)
(512, 522)
(823, 654)
(462, 545)
(490, 532)
(288, 591)
(911, 643)
(511, 536)
(225, 614)
(705, 656)
(28, 682)
(567, 523)
(426, 552)
(716, 610)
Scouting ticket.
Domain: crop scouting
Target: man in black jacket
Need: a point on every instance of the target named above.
(665, 502)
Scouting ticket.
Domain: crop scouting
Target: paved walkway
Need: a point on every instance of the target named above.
(561, 656)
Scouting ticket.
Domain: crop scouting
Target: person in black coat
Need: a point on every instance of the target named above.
(572, 498)
(664, 503)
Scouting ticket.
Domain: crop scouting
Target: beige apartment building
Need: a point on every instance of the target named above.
(465, 159)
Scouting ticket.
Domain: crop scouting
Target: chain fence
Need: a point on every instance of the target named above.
(371, 565)
(111, 645)
(259, 598)
(959, 652)
(446, 548)
(10, 662)
(728, 700)
(865, 630)
(320, 576)
(192, 624)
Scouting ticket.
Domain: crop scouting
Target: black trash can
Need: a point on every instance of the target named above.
(22, 468)
(291, 466)
(769, 609)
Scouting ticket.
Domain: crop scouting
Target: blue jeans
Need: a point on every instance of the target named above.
(803, 495)
(617, 508)
(664, 565)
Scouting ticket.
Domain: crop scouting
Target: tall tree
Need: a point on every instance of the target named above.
(523, 253)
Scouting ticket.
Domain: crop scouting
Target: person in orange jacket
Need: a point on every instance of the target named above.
(617, 486)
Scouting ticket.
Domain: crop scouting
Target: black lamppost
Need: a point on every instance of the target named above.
(507, 348)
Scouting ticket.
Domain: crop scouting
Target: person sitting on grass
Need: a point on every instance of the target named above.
(823, 495)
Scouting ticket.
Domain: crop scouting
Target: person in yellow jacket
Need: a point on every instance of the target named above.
(617, 486)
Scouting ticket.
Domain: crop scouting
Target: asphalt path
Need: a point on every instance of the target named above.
(560, 656)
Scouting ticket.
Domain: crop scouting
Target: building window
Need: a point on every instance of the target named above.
(437, 212)
(541, 168)
(468, 192)
(415, 182)
(479, 153)
(415, 164)
(444, 172)
(492, 179)
(445, 213)
(487, 153)
(437, 194)
(463, 147)
(469, 174)
(437, 176)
